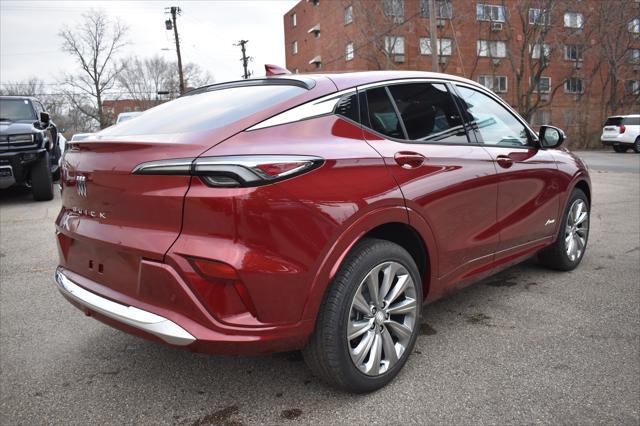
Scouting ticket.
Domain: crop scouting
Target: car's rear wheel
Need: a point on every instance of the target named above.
(636, 145)
(369, 318)
(571, 243)
(41, 179)
(620, 148)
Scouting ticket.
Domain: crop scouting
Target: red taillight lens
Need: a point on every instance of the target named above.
(280, 169)
(214, 270)
(622, 128)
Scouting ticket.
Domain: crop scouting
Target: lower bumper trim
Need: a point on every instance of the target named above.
(146, 321)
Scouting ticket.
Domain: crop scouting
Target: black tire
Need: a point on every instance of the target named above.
(620, 149)
(556, 256)
(327, 353)
(41, 179)
(636, 145)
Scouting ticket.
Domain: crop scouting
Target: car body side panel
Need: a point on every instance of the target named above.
(279, 236)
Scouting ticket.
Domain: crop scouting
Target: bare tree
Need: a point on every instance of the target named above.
(94, 44)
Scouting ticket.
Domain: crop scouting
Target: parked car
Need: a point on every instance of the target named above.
(29, 149)
(124, 116)
(622, 132)
(314, 212)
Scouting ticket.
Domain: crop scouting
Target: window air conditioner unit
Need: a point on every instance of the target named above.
(544, 97)
(441, 23)
(636, 67)
(577, 64)
(442, 60)
(496, 26)
(398, 58)
(495, 62)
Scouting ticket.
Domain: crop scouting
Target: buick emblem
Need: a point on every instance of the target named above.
(81, 186)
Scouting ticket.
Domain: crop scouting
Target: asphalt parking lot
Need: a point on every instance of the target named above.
(526, 346)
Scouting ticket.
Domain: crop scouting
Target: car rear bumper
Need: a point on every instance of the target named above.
(139, 319)
(614, 141)
(158, 324)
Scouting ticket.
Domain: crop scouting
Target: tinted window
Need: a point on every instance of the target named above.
(39, 107)
(348, 107)
(494, 124)
(428, 112)
(382, 116)
(205, 111)
(613, 121)
(631, 121)
(16, 109)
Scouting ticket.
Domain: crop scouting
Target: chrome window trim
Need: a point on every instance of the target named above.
(324, 105)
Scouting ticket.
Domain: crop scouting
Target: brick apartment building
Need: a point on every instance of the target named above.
(117, 106)
(569, 63)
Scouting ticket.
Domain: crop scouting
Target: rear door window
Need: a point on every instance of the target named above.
(631, 121)
(428, 112)
(382, 115)
(206, 111)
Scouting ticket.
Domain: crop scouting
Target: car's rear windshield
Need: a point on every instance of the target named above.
(16, 109)
(205, 111)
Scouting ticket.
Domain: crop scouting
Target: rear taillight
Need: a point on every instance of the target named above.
(622, 128)
(233, 171)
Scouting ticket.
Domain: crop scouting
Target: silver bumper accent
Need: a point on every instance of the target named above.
(159, 326)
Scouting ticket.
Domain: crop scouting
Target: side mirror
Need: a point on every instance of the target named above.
(550, 137)
(44, 118)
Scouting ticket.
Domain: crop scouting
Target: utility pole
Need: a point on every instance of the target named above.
(174, 12)
(245, 59)
(433, 36)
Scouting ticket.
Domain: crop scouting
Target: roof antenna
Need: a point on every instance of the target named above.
(275, 70)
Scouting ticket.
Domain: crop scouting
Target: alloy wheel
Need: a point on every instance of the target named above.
(382, 318)
(576, 230)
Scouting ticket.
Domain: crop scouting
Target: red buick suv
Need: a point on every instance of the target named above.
(313, 212)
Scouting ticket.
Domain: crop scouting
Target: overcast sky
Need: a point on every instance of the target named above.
(30, 46)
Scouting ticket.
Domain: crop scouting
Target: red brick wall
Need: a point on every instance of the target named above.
(580, 116)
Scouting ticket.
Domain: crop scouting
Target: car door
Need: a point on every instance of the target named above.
(528, 189)
(451, 183)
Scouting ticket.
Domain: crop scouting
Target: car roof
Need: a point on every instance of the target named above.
(341, 80)
(624, 116)
(346, 80)
(31, 98)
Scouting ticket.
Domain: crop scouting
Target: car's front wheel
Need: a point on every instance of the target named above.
(369, 318)
(570, 245)
(620, 148)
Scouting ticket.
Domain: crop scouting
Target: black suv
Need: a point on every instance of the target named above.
(29, 149)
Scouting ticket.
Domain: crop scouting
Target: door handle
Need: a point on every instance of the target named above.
(409, 159)
(504, 161)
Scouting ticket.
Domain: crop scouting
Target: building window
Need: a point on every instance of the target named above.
(634, 26)
(537, 48)
(294, 47)
(634, 56)
(540, 117)
(394, 45)
(490, 12)
(444, 9)
(573, 85)
(497, 83)
(296, 71)
(573, 52)
(539, 17)
(348, 52)
(348, 15)
(543, 85)
(294, 20)
(632, 87)
(492, 48)
(444, 46)
(315, 2)
(394, 9)
(573, 20)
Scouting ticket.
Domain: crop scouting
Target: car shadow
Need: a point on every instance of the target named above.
(18, 195)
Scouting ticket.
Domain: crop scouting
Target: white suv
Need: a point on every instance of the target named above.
(622, 132)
